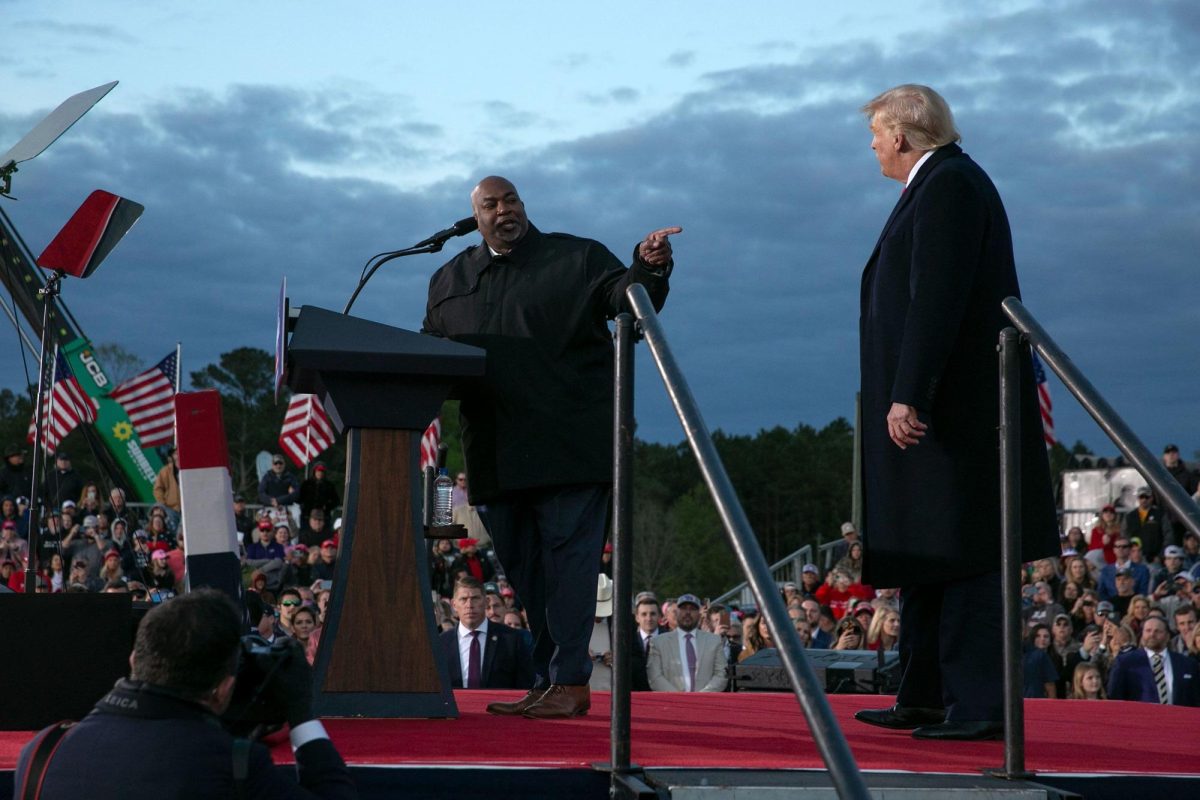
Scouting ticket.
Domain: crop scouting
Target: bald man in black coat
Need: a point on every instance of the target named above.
(931, 318)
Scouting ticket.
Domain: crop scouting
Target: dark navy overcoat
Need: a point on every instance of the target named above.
(930, 323)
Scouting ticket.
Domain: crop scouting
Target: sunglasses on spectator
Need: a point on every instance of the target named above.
(290, 603)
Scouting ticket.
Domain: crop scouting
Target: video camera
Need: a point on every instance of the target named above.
(257, 707)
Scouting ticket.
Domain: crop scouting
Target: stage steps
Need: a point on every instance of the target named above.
(710, 784)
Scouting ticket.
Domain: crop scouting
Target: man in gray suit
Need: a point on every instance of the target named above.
(687, 659)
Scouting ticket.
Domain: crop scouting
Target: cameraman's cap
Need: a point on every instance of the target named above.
(811, 568)
(688, 598)
(848, 527)
(1171, 448)
(1170, 551)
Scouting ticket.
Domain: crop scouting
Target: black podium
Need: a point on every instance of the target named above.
(379, 653)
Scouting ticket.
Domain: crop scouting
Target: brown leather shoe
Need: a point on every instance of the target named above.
(560, 702)
(517, 708)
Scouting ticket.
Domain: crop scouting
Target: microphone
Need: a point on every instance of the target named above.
(460, 228)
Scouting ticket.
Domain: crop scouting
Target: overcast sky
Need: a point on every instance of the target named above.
(271, 139)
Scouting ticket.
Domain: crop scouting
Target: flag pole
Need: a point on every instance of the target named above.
(308, 423)
(178, 367)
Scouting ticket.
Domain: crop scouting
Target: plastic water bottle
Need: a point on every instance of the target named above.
(443, 491)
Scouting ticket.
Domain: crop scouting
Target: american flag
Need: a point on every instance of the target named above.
(66, 405)
(149, 400)
(429, 443)
(307, 430)
(1044, 402)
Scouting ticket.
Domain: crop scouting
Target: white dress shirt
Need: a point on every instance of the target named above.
(912, 173)
(464, 648)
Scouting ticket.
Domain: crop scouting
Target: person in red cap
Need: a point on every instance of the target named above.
(324, 561)
(111, 571)
(318, 492)
(470, 562)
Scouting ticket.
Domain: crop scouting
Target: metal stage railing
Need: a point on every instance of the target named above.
(831, 743)
(1167, 488)
(785, 570)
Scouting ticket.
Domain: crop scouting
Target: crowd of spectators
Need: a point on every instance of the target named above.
(1129, 584)
(1098, 621)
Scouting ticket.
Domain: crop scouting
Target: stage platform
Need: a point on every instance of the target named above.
(749, 745)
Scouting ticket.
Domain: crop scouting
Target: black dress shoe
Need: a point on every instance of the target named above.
(900, 717)
(961, 731)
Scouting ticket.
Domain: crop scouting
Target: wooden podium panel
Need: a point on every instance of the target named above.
(379, 654)
(381, 611)
(377, 625)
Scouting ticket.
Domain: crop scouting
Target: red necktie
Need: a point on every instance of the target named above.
(473, 662)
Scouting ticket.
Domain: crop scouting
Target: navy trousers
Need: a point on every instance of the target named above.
(549, 543)
(951, 648)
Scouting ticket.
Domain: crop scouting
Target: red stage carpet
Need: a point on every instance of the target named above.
(758, 731)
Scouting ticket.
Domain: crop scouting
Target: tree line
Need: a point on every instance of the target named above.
(794, 484)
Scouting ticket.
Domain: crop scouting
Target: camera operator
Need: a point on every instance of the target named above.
(183, 669)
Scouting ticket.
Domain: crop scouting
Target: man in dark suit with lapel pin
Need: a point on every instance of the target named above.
(483, 654)
(1154, 674)
(930, 323)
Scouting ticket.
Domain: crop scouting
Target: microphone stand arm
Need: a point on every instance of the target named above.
(432, 247)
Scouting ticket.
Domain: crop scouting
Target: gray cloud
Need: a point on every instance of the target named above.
(106, 34)
(681, 58)
(1089, 132)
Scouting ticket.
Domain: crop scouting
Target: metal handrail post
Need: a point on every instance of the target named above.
(1168, 489)
(622, 540)
(1010, 554)
(830, 741)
